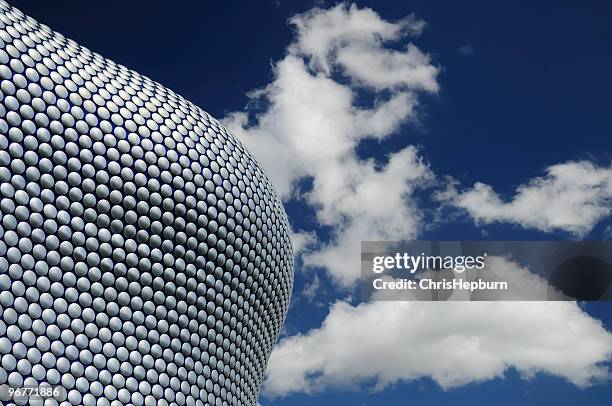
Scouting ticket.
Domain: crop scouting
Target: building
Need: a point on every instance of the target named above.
(144, 256)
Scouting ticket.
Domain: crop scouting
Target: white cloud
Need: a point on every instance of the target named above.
(384, 69)
(456, 344)
(324, 34)
(572, 197)
(303, 241)
(313, 123)
(310, 290)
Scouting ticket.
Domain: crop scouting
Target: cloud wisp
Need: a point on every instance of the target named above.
(571, 197)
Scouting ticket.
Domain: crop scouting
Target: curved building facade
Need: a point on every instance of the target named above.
(145, 258)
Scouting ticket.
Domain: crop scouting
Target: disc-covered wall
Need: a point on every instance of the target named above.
(144, 256)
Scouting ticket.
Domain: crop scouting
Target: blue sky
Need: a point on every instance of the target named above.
(522, 87)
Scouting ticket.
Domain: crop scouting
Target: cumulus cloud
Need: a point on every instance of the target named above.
(467, 342)
(314, 120)
(572, 197)
(453, 343)
(353, 40)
